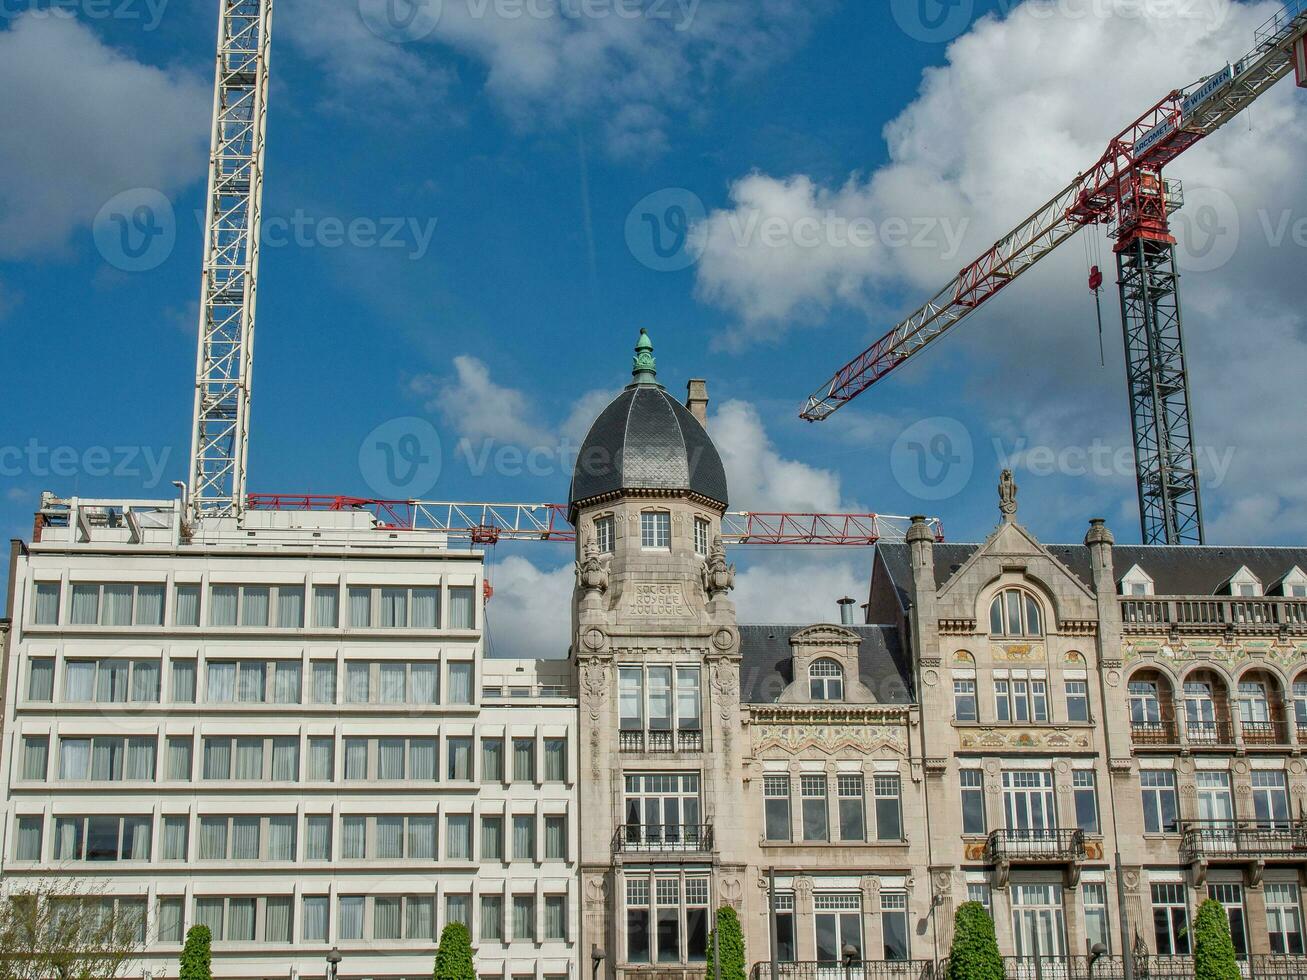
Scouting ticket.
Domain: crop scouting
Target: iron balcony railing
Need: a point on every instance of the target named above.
(1209, 732)
(1105, 967)
(855, 970)
(685, 740)
(1275, 966)
(644, 838)
(1215, 612)
(1238, 840)
(1046, 845)
(1164, 967)
(1265, 732)
(1154, 733)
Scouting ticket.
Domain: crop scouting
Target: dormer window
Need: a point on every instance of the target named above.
(604, 534)
(656, 529)
(1245, 584)
(1015, 612)
(826, 680)
(1136, 583)
(1294, 584)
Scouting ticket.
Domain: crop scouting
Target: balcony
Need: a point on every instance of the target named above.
(638, 838)
(1266, 733)
(1206, 734)
(685, 740)
(1040, 846)
(855, 970)
(1206, 614)
(1106, 967)
(1243, 840)
(1275, 966)
(1154, 733)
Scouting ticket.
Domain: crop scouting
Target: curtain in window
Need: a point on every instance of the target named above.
(350, 925)
(324, 682)
(422, 838)
(47, 604)
(249, 758)
(136, 838)
(281, 838)
(458, 836)
(40, 679)
(254, 606)
(385, 918)
(179, 757)
(458, 908)
(245, 838)
(68, 839)
(460, 758)
(222, 605)
(174, 838)
(217, 758)
(390, 758)
(290, 607)
(183, 681)
(492, 838)
(140, 759)
(556, 838)
(555, 759)
(79, 680)
(524, 837)
(107, 759)
(422, 758)
(460, 683)
(492, 760)
(461, 608)
(315, 918)
(286, 760)
(111, 681)
(523, 917)
(149, 605)
(524, 759)
(286, 682)
(353, 831)
(326, 606)
(555, 925)
(356, 758)
(426, 608)
(29, 839)
(240, 919)
(394, 607)
(74, 758)
(320, 750)
(360, 601)
(117, 609)
(492, 918)
(222, 682)
(145, 680)
(422, 683)
(213, 838)
(392, 682)
(253, 682)
(419, 917)
(208, 912)
(36, 757)
(390, 837)
(318, 838)
(86, 605)
(170, 920)
(276, 919)
(356, 682)
(187, 612)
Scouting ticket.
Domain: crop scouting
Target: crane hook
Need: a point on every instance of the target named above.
(1096, 284)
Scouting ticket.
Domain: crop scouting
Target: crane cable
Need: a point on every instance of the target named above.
(1092, 258)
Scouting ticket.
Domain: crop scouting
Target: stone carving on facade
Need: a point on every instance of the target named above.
(592, 571)
(732, 891)
(718, 577)
(1002, 738)
(594, 691)
(1007, 496)
(828, 738)
(596, 891)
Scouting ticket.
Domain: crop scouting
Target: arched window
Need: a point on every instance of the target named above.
(1015, 612)
(826, 680)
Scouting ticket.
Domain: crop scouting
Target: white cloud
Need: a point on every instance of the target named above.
(478, 408)
(81, 122)
(765, 590)
(528, 613)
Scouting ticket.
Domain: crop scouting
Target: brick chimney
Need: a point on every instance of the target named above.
(696, 399)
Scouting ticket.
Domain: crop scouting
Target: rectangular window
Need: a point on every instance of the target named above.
(1230, 896)
(458, 837)
(1077, 701)
(360, 607)
(894, 922)
(458, 908)
(459, 750)
(776, 807)
(492, 838)
(183, 681)
(321, 768)
(1086, 799)
(524, 917)
(964, 699)
(979, 892)
(1284, 918)
(639, 944)
(973, 800)
(1093, 900)
(187, 610)
(102, 838)
(170, 919)
(786, 940)
(889, 810)
(851, 807)
(524, 756)
(655, 529)
(492, 760)
(28, 845)
(813, 790)
(45, 606)
(701, 528)
(524, 837)
(556, 918)
(556, 838)
(286, 681)
(326, 607)
(604, 535)
(492, 918)
(179, 749)
(313, 929)
(324, 682)
(1002, 699)
(460, 683)
(462, 607)
(838, 923)
(349, 917)
(631, 698)
(1270, 799)
(317, 837)
(36, 757)
(555, 760)
(175, 838)
(696, 919)
(1171, 919)
(116, 605)
(1158, 789)
(667, 894)
(40, 679)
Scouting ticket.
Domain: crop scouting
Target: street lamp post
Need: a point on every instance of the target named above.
(333, 963)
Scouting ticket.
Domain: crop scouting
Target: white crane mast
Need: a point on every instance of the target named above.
(228, 289)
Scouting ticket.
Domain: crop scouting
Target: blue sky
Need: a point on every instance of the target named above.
(459, 229)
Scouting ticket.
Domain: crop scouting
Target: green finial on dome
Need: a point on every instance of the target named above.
(643, 364)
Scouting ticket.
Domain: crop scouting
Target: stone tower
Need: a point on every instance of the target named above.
(657, 652)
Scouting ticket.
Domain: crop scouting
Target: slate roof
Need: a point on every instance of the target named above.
(1175, 570)
(646, 439)
(766, 669)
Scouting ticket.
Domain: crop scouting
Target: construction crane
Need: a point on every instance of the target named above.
(228, 288)
(1125, 190)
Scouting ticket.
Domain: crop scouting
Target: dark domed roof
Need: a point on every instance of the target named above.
(647, 440)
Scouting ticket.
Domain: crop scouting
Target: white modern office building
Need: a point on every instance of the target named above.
(285, 730)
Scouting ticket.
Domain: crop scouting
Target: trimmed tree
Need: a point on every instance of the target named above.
(731, 941)
(974, 954)
(454, 954)
(1213, 949)
(197, 958)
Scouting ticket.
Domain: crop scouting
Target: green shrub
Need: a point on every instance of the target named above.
(974, 953)
(197, 960)
(1213, 948)
(454, 954)
(731, 943)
